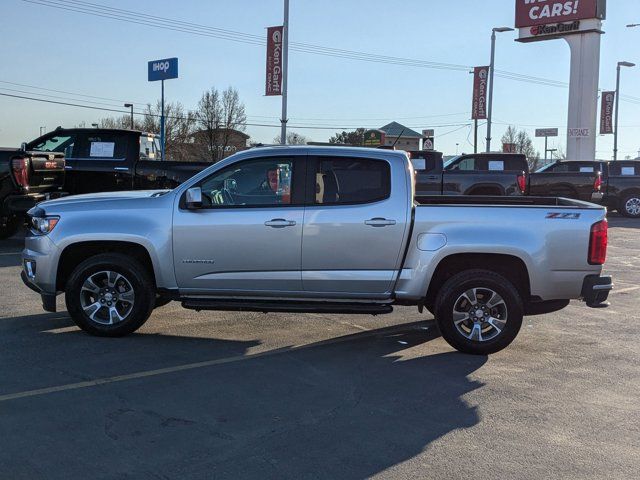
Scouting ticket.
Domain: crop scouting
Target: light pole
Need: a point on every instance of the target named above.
(41, 129)
(130, 105)
(615, 132)
(633, 25)
(491, 67)
(285, 73)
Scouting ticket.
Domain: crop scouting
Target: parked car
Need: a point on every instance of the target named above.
(26, 177)
(493, 174)
(106, 160)
(317, 230)
(614, 184)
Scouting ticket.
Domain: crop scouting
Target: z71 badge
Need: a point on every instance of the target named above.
(563, 216)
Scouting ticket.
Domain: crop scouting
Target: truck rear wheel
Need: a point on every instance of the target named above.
(630, 206)
(479, 312)
(110, 295)
(9, 226)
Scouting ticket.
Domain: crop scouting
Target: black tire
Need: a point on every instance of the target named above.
(9, 226)
(449, 297)
(138, 279)
(625, 207)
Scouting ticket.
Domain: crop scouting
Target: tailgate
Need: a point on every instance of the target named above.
(46, 171)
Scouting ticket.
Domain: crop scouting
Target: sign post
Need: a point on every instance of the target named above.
(546, 133)
(162, 70)
(579, 22)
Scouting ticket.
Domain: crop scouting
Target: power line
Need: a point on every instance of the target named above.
(130, 16)
(251, 124)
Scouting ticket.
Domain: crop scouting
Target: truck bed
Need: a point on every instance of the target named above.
(516, 201)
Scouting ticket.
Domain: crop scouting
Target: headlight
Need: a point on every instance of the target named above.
(43, 225)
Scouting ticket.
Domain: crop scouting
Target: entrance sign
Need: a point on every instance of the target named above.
(273, 85)
(606, 113)
(165, 69)
(579, 22)
(479, 103)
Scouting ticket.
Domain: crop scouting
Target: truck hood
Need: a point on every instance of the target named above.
(102, 197)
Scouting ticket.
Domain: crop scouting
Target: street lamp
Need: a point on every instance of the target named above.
(130, 105)
(491, 67)
(95, 125)
(633, 25)
(615, 132)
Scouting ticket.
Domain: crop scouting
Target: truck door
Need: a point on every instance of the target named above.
(354, 226)
(102, 162)
(247, 238)
(565, 179)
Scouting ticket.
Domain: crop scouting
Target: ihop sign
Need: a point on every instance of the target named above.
(164, 69)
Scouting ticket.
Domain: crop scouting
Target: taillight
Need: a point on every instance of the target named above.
(522, 182)
(597, 183)
(20, 167)
(598, 243)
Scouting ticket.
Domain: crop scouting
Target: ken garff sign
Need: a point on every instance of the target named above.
(164, 69)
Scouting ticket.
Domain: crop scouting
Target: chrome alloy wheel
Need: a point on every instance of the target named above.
(480, 314)
(107, 297)
(632, 206)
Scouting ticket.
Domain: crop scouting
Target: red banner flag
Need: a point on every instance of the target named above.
(274, 61)
(606, 112)
(480, 88)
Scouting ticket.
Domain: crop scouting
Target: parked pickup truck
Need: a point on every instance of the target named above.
(107, 160)
(492, 174)
(614, 184)
(313, 229)
(26, 177)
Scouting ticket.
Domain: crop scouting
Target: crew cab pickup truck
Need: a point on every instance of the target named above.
(26, 177)
(493, 174)
(614, 184)
(107, 160)
(313, 229)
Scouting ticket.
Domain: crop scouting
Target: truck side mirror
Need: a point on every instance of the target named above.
(193, 198)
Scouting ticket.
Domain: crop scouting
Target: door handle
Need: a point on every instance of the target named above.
(280, 223)
(379, 222)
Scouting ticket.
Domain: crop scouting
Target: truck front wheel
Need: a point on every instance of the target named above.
(9, 226)
(478, 312)
(110, 295)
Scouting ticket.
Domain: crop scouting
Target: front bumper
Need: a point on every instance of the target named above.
(595, 290)
(39, 268)
(20, 204)
(48, 299)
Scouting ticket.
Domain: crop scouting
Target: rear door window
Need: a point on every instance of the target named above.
(624, 168)
(102, 146)
(63, 143)
(341, 180)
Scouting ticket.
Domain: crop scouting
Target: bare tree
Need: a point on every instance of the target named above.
(218, 117)
(524, 145)
(123, 121)
(293, 138)
(178, 128)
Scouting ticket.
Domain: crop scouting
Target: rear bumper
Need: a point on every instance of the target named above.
(595, 290)
(20, 204)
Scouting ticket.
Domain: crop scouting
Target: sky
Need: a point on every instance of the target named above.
(46, 45)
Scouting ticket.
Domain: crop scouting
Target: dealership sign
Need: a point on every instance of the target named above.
(606, 112)
(273, 84)
(480, 84)
(530, 13)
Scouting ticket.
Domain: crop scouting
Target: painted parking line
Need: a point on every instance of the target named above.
(624, 290)
(209, 363)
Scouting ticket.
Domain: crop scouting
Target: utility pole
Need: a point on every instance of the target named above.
(615, 133)
(491, 69)
(285, 71)
(475, 136)
(162, 138)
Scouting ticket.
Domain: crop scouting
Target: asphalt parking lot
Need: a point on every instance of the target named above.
(244, 395)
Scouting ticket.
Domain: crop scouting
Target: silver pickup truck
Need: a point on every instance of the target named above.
(317, 229)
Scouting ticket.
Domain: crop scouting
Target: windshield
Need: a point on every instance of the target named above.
(545, 168)
(451, 161)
